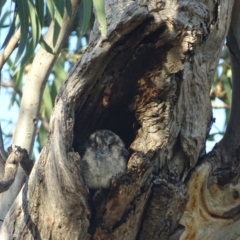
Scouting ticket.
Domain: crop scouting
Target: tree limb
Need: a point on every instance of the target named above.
(12, 44)
(16, 156)
(167, 96)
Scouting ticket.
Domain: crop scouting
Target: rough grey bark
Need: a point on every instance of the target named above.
(148, 81)
(214, 188)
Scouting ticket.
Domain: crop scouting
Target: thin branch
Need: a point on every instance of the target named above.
(220, 105)
(12, 44)
(11, 84)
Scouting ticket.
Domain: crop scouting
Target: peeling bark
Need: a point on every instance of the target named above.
(148, 81)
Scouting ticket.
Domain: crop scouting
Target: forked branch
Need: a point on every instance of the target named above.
(16, 156)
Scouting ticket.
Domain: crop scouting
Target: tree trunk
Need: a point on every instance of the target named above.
(148, 81)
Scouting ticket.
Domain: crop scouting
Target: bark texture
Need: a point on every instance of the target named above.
(148, 81)
(214, 202)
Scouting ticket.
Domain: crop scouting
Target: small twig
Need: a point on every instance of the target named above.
(11, 84)
(12, 44)
(221, 105)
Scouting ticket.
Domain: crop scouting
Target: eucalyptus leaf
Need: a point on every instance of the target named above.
(23, 12)
(10, 32)
(40, 7)
(99, 6)
(35, 24)
(68, 6)
(87, 12)
(60, 5)
(47, 102)
(45, 46)
(50, 6)
(2, 3)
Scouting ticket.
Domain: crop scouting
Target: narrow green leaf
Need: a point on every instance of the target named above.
(45, 46)
(3, 18)
(12, 28)
(2, 2)
(59, 72)
(60, 7)
(9, 35)
(58, 17)
(58, 21)
(19, 78)
(23, 12)
(68, 6)
(53, 91)
(35, 25)
(87, 11)
(50, 6)
(56, 32)
(47, 102)
(99, 6)
(28, 55)
(40, 5)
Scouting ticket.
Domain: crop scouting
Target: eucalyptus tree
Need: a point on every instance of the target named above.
(146, 75)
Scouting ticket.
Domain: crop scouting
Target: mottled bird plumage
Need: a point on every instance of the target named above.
(103, 156)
